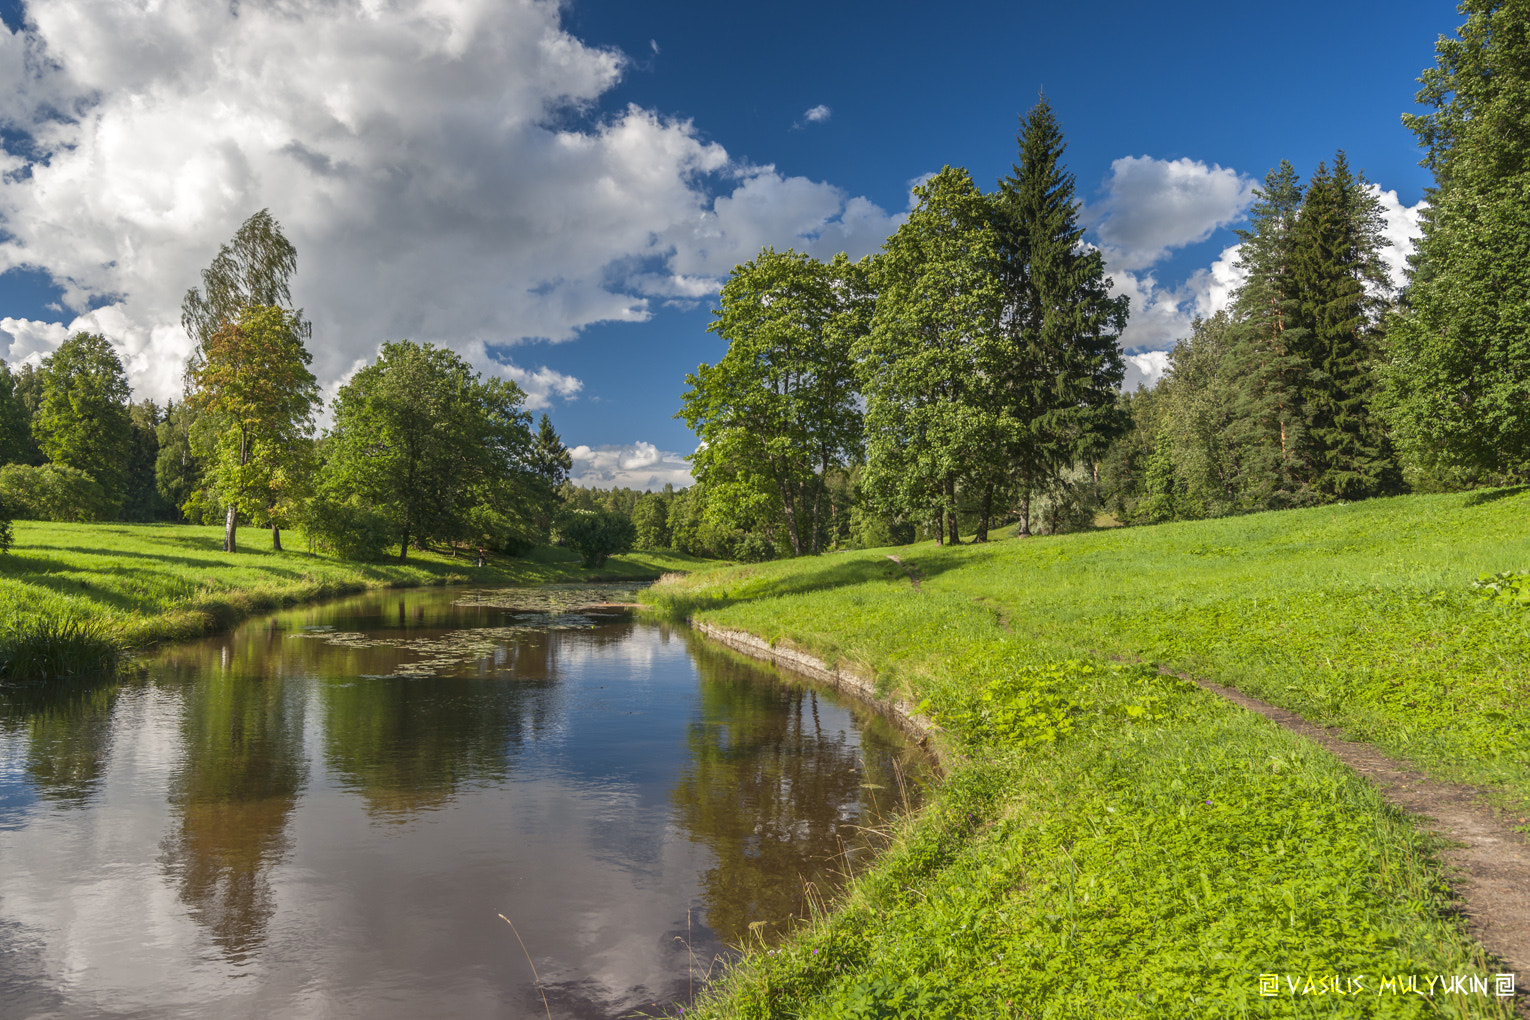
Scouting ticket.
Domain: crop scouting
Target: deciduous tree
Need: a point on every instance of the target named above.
(1458, 372)
(930, 363)
(255, 400)
(780, 409)
(422, 439)
(83, 419)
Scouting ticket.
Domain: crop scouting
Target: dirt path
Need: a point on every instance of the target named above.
(1488, 868)
(1488, 865)
(914, 576)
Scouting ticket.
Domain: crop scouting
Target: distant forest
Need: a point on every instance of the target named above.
(964, 378)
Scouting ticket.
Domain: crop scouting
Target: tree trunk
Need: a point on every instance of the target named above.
(276, 539)
(230, 524)
(403, 548)
(1025, 515)
(951, 528)
(984, 513)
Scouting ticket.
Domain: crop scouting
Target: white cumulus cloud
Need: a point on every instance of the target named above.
(1144, 369)
(638, 465)
(818, 114)
(442, 167)
(1403, 228)
(1152, 206)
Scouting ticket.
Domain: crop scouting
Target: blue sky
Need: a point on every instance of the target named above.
(556, 191)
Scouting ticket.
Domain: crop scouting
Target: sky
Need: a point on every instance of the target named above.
(557, 191)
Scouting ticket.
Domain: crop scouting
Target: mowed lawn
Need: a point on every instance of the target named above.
(142, 583)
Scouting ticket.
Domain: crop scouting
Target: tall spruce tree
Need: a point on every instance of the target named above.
(1458, 372)
(1333, 259)
(1061, 380)
(1270, 415)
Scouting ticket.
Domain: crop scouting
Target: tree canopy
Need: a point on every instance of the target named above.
(1458, 372)
(255, 399)
(82, 421)
(433, 448)
(779, 409)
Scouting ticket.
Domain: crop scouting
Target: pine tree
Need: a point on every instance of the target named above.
(551, 463)
(1458, 372)
(1065, 369)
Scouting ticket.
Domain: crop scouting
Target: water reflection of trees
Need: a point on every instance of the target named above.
(242, 771)
(776, 798)
(69, 732)
(406, 744)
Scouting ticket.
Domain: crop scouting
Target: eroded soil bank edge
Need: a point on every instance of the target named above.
(859, 687)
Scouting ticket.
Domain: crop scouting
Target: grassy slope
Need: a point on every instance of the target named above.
(1112, 842)
(143, 583)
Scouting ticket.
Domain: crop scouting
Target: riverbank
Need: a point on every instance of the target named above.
(133, 585)
(1113, 841)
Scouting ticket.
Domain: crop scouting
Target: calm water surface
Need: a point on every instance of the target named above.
(325, 812)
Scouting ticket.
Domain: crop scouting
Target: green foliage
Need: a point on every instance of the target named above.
(1021, 706)
(596, 534)
(348, 527)
(52, 650)
(650, 517)
(54, 492)
(1505, 585)
(1458, 373)
(177, 473)
(780, 409)
(1334, 255)
(254, 400)
(932, 420)
(1059, 381)
(254, 269)
(7, 531)
(16, 443)
(429, 444)
(83, 420)
(141, 500)
(549, 468)
(1271, 406)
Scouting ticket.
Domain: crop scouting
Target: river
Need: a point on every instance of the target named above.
(326, 812)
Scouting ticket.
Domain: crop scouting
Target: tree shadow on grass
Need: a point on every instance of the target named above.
(822, 576)
(1483, 496)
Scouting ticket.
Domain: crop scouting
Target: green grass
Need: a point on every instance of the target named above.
(136, 584)
(1113, 842)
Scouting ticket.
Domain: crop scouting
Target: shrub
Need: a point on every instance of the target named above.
(347, 528)
(596, 534)
(54, 492)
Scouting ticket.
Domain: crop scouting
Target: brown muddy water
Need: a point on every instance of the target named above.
(325, 812)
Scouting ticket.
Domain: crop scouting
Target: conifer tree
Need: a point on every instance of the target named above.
(1061, 380)
(1270, 415)
(1333, 258)
(1458, 374)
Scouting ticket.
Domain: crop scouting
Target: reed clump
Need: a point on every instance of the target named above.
(43, 650)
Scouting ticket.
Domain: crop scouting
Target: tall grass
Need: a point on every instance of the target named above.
(41, 650)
